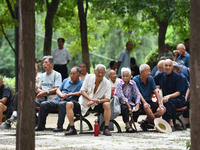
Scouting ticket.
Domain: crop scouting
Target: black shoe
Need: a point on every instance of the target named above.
(142, 121)
(39, 128)
(173, 128)
(151, 125)
(144, 125)
(178, 127)
(58, 129)
(71, 132)
(187, 125)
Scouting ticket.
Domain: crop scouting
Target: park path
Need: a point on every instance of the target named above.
(49, 140)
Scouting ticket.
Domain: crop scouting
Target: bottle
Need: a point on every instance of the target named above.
(96, 128)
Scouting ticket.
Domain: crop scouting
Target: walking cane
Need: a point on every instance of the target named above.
(133, 122)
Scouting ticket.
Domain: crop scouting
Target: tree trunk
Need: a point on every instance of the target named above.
(161, 37)
(83, 28)
(195, 72)
(26, 104)
(51, 11)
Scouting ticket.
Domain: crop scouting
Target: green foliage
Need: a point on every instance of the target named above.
(151, 58)
(188, 145)
(10, 82)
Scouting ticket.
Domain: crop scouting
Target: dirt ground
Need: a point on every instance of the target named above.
(48, 140)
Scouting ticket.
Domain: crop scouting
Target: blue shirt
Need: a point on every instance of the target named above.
(185, 58)
(68, 87)
(145, 89)
(185, 72)
(124, 58)
(170, 83)
(154, 70)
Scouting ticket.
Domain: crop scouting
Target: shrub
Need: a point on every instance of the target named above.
(10, 82)
(151, 58)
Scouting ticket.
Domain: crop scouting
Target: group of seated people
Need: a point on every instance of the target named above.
(83, 92)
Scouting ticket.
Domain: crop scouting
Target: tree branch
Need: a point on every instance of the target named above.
(86, 8)
(10, 9)
(2, 29)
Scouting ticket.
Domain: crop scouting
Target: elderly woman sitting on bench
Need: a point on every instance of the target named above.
(129, 97)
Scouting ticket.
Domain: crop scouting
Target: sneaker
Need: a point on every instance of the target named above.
(5, 125)
(106, 132)
(12, 119)
(144, 125)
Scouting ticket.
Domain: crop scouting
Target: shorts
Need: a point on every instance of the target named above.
(154, 106)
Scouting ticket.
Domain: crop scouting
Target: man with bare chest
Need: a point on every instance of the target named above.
(95, 95)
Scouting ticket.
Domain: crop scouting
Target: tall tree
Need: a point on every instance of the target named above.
(26, 105)
(82, 13)
(195, 71)
(51, 11)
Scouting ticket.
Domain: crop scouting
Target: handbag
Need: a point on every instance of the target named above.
(115, 107)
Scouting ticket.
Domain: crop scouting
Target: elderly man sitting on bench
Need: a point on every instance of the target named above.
(146, 85)
(95, 95)
(172, 86)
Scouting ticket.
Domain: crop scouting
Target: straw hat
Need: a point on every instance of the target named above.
(162, 126)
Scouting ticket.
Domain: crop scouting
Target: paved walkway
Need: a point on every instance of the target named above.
(49, 140)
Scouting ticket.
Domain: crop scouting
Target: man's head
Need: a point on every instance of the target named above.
(100, 71)
(83, 68)
(1, 81)
(181, 48)
(176, 67)
(112, 75)
(168, 66)
(145, 71)
(75, 74)
(126, 74)
(61, 42)
(113, 64)
(167, 48)
(129, 46)
(160, 65)
(47, 63)
(187, 43)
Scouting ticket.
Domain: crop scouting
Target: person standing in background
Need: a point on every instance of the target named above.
(124, 58)
(61, 58)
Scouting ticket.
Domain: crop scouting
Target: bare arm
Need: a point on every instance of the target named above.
(156, 92)
(3, 100)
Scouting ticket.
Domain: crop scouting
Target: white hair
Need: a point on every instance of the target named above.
(143, 67)
(100, 66)
(124, 69)
(181, 46)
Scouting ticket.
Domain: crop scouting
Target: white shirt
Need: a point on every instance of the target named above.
(115, 83)
(61, 57)
(102, 92)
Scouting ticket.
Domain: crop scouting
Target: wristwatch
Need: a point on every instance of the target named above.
(47, 92)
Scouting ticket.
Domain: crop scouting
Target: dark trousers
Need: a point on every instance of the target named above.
(48, 106)
(125, 113)
(62, 69)
(186, 113)
(13, 105)
(171, 106)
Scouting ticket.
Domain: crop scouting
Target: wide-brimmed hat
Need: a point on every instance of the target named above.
(162, 126)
